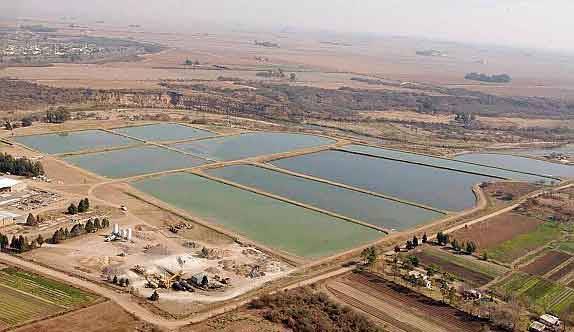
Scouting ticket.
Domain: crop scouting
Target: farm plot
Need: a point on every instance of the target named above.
(474, 272)
(562, 272)
(541, 294)
(494, 231)
(17, 308)
(520, 245)
(436, 314)
(546, 263)
(46, 289)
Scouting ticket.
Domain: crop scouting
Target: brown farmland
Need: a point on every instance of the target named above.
(546, 263)
(439, 316)
(562, 272)
(491, 232)
(473, 278)
(106, 316)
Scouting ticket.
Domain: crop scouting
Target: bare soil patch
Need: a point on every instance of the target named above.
(106, 316)
(244, 321)
(493, 231)
(546, 263)
(564, 271)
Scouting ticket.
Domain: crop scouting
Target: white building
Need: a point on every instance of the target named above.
(8, 185)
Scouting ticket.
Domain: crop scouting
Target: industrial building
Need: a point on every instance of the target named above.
(8, 185)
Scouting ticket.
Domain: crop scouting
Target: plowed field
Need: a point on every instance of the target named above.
(409, 311)
(546, 263)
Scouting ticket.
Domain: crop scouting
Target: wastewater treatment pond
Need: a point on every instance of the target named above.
(271, 222)
(251, 145)
(74, 141)
(134, 161)
(164, 132)
(438, 188)
(371, 209)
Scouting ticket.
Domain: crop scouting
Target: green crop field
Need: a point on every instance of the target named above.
(47, 289)
(520, 245)
(17, 308)
(26, 296)
(541, 294)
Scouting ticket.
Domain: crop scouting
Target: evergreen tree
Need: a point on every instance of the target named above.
(425, 239)
(3, 241)
(56, 237)
(72, 209)
(40, 240)
(31, 221)
(86, 204)
(90, 227)
(66, 234)
(97, 224)
(415, 241)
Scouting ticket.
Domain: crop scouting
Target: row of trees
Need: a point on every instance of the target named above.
(19, 243)
(20, 166)
(83, 206)
(79, 229)
(60, 115)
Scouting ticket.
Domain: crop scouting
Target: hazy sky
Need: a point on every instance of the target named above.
(535, 23)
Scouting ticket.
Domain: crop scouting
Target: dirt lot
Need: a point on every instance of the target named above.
(106, 316)
(494, 231)
(242, 320)
(505, 191)
(381, 298)
(546, 263)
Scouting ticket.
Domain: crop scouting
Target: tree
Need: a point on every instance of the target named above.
(415, 241)
(56, 238)
(432, 270)
(414, 260)
(90, 227)
(470, 247)
(3, 241)
(409, 245)
(66, 233)
(72, 209)
(60, 115)
(40, 240)
(76, 230)
(204, 281)
(105, 223)
(23, 244)
(115, 280)
(155, 296)
(26, 122)
(455, 245)
(370, 256)
(425, 239)
(484, 255)
(86, 204)
(188, 62)
(397, 248)
(293, 77)
(97, 224)
(31, 220)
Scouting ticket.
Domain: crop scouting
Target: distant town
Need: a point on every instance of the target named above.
(39, 45)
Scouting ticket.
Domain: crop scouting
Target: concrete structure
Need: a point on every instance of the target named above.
(8, 218)
(8, 185)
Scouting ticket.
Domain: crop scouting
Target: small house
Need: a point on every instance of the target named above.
(551, 321)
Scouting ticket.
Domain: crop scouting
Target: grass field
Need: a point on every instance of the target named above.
(46, 289)
(27, 296)
(520, 245)
(541, 295)
(17, 308)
